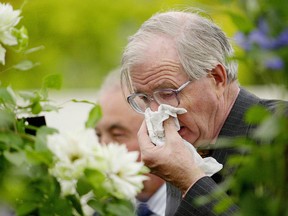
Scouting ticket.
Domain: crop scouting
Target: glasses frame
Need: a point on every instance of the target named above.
(130, 98)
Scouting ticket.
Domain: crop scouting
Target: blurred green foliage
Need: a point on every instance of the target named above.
(83, 40)
(262, 36)
(259, 184)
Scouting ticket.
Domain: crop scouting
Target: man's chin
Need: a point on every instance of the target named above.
(142, 196)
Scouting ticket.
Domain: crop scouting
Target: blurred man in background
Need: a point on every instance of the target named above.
(119, 123)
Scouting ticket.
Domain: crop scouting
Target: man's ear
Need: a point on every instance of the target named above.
(219, 75)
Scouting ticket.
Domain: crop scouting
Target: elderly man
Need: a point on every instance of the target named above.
(120, 124)
(184, 60)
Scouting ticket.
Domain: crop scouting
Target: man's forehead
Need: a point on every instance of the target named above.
(166, 84)
(159, 78)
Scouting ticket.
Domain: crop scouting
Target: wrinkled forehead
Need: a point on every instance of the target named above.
(146, 79)
(159, 58)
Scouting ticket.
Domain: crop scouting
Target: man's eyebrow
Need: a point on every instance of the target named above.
(167, 86)
(117, 127)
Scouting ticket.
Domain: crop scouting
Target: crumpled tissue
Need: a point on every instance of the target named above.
(154, 122)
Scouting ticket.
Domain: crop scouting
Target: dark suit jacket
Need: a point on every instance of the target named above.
(234, 126)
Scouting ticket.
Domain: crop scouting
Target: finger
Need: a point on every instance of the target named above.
(147, 149)
(143, 137)
(170, 128)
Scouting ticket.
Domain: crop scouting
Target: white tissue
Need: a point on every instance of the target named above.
(154, 122)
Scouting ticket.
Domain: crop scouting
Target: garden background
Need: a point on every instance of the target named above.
(83, 40)
(74, 44)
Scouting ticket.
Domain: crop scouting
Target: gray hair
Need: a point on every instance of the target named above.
(200, 44)
(112, 82)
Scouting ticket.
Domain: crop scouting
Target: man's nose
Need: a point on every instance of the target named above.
(105, 139)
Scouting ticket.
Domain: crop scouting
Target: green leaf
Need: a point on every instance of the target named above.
(6, 119)
(53, 81)
(94, 116)
(36, 108)
(27, 95)
(256, 114)
(49, 107)
(10, 140)
(76, 204)
(16, 158)
(34, 49)
(57, 206)
(83, 186)
(43, 131)
(223, 205)
(120, 208)
(41, 137)
(96, 179)
(268, 130)
(83, 101)
(37, 157)
(25, 65)
(97, 205)
(63, 207)
(7, 96)
(41, 153)
(25, 208)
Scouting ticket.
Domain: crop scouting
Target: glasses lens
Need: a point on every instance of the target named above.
(139, 102)
(166, 96)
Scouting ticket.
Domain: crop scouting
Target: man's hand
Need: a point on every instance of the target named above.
(172, 161)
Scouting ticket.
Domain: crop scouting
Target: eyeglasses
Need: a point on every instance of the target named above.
(140, 102)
